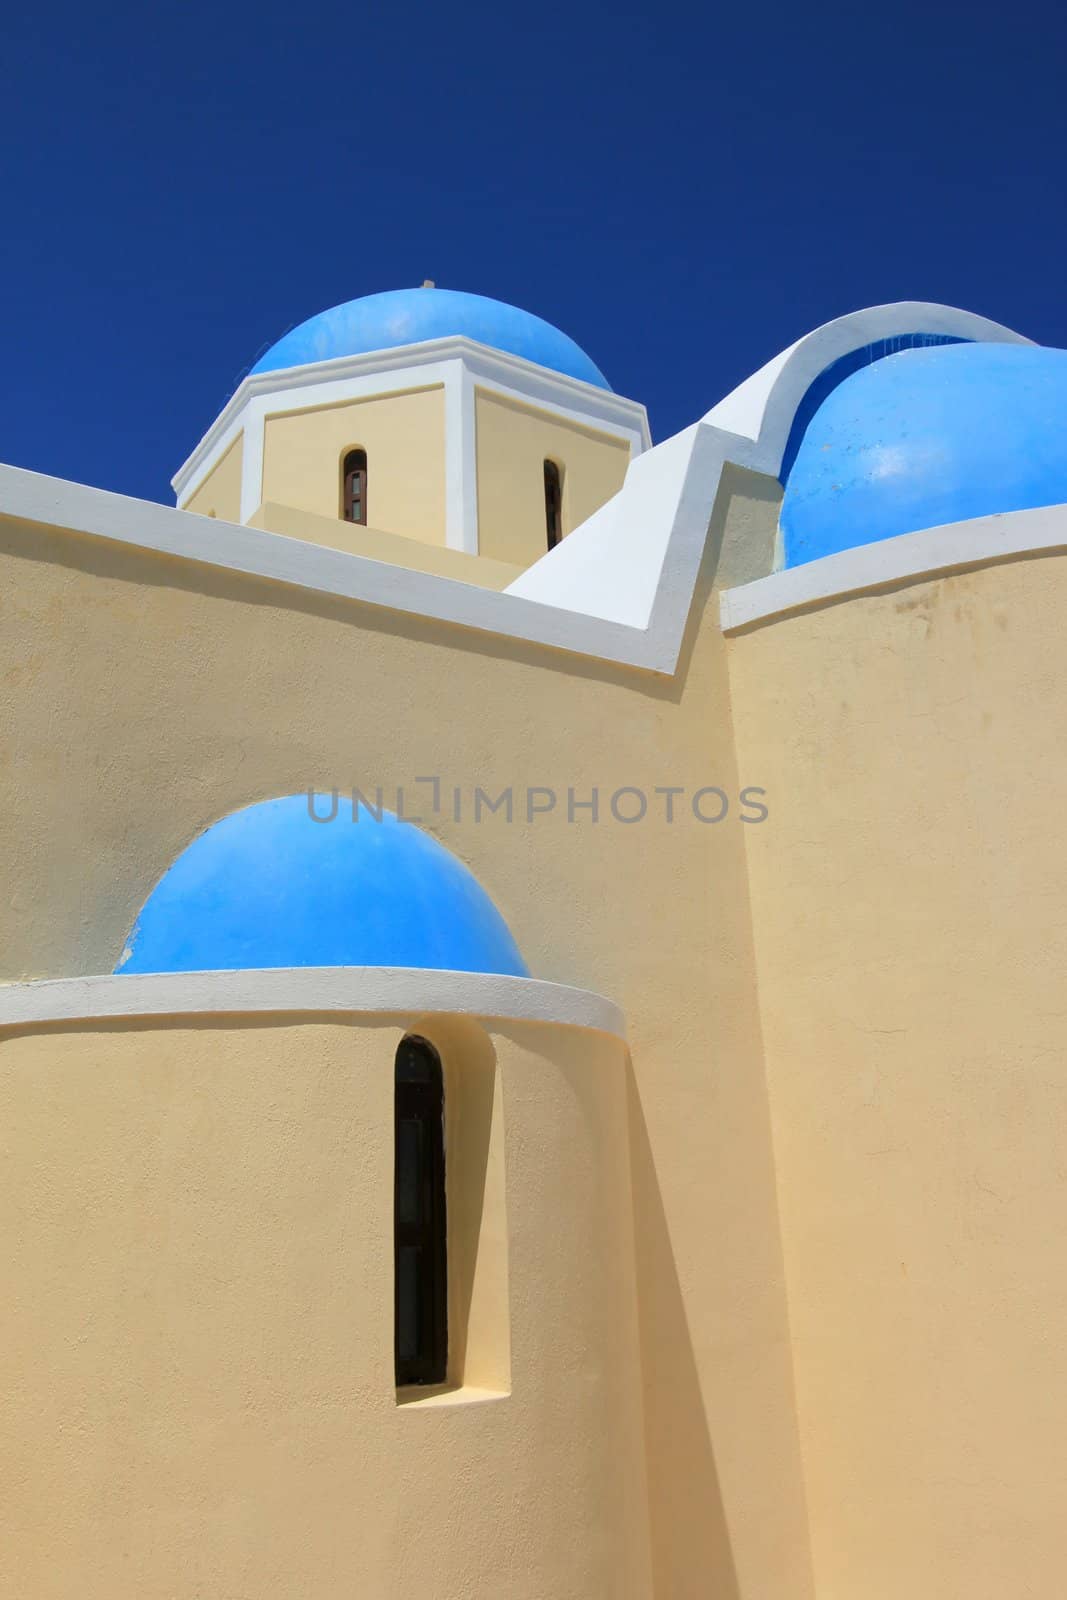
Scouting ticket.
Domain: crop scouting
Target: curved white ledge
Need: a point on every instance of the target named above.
(909, 558)
(404, 990)
(763, 407)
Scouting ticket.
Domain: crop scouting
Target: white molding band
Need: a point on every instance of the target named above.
(415, 366)
(888, 563)
(401, 991)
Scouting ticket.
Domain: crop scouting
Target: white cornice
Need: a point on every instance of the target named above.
(412, 366)
(400, 991)
(909, 558)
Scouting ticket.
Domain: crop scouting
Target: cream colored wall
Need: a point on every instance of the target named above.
(513, 443)
(389, 547)
(908, 906)
(198, 1350)
(404, 437)
(220, 493)
(251, 689)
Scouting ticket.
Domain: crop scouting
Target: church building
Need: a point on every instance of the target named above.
(532, 1036)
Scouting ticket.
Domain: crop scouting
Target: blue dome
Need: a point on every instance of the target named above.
(270, 887)
(410, 316)
(925, 437)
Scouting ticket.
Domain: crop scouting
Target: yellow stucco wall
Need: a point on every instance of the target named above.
(252, 689)
(908, 909)
(513, 443)
(404, 437)
(198, 1350)
(390, 547)
(220, 493)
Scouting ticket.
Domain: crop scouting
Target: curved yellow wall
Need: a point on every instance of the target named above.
(197, 1361)
(514, 442)
(404, 437)
(911, 946)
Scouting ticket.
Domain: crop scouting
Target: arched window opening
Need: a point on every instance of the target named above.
(553, 504)
(419, 1221)
(354, 487)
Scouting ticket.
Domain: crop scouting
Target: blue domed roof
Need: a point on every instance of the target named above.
(270, 887)
(410, 316)
(925, 437)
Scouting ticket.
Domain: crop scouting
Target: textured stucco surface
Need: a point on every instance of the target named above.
(303, 453)
(206, 690)
(197, 1385)
(414, 554)
(514, 442)
(220, 493)
(911, 935)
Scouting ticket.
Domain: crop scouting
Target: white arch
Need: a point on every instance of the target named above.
(635, 561)
(763, 407)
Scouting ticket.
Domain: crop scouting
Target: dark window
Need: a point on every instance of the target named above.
(354, 487)
(553, 504)
(419, 1223)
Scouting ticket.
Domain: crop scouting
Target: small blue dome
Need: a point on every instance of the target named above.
(410, 316)
(925, 437)
(270, 887)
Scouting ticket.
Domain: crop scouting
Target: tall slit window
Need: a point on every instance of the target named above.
(354, 487)
(419, 1221)
(553, 504)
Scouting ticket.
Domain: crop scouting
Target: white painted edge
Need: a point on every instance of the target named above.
(461, 478)
(909, 557)
(763, 407)
(402, 991)
(392, 371)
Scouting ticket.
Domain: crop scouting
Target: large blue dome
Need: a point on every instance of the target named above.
(410, 316)
(925, 437)
(270, 887)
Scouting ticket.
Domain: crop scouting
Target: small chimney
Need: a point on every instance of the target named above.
(428, 283)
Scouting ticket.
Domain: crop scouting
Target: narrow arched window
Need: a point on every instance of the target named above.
(553, 504)
(419, 1221)
(354, 487)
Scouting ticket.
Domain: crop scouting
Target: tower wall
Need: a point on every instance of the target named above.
(910, 937)
(404, 437)
(514, 441)
(197, 1360)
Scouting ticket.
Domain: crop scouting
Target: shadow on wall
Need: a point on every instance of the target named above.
(691, 1555)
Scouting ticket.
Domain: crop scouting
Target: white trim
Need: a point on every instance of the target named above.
(763, 407)
(255, 426)
(409, 367)
(468, 438)
(461, 482)
(404, 991)
(908, 558)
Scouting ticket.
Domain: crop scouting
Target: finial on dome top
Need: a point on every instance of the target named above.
(428, 283)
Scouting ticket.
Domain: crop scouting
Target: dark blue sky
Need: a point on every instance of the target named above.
(684, 189)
